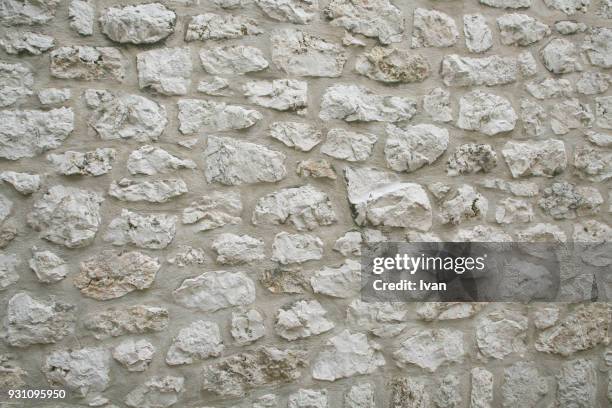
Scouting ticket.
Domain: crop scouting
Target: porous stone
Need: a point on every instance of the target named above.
(509, 4)
(521, 29)
(486, 113)
(501, 333)
(545, 317)
(346, 145)
(138, 319)
(544, 158)
(343, 281)
(212, 291)
(534, 117)
(527, 64)
(196, 115)
(8, 266)
(93, 163)
(599, 139)
(293, 11)
(216, 86)
(54, 96)
(448, 393)
(304, 398)
(233, 162)
(211, 26)
(15, 12)
(279, 94)
(165, 70)
(464, 204)
(432, 311)
(247, 326)
(471, 158)
(24, 183)
(153, 231)
(154, 191)
(235, 249)
(356, 103)
(564, 200)
(198, 341)
(603, 112)
(135, 355)
(432, 28)
(410, 148)
(408, 392)
(296, 248)
(16, 81)
(561, 56)
(481, 395)
(593, 164)
(81, 14)
(139, 24)
(591, 83)
(598, 46)
(12, 376)
(232, 60)
(482, 233)
(315, 169)
(48, 267)
(87, 63)
(349, 244)
(511, 210)
(542, 233)
(437, 105)
(430, 349)
(187, 255)
(360, 396)
(214, 210)
(383, 319)
(469, 71)
(478, 35)
(568, 27)
(302, 319)
(392, 65)
(156, 392)
(112, 274)
(150, 160)
(570, 114)
(577, 384)
(301, 136)
(550, 88)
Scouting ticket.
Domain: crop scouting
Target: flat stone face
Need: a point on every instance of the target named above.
(343, 281)
(301, 136)
(603, 112)
(349, 146)
(481, 395)
(214, 210)
(197, 114)
(509, 4)
(141, 24)
(478, 36)
(463, 204)
(198, 341)
(151, 160)
(211, 26)
(432, 28)
(165, 70)
(467, 71)
(570, 114)
(521, 29)
(293, 11)
(296, 248)
(561, 56)
(486, 113)
(308, 398)
(301, 320)
(233, 59)
(154, 191)
(134, 355)
(94, 163)
(235, 249)
(247, 326)
(430, 349)
(598, 45)
(26, 42)
(156, 392)
(591, 83)
(593, 164)
(550, 88)
(568, 7)
(87, 63)
(16, 83)
(81, 14)
(139, 319)
(437, 105)
(577, 383)
(47, 266)
(544, 158)
(472, 158)
(154, 231)
(15, 12)
(392, 65)
(279, 94)
(413, 147)
(501, 333)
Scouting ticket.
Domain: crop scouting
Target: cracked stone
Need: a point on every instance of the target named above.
(346, 145)
(296, 248)
(486, 113)
(235, 249)
(432, 28)
(432, 311)
(134, 355)
(478, 35)
(550, 88)
(292, 11)
(465, 204)
(301, 136)
(598, 46)
(593, 164)
(501, 333)
(570, 114)
(472, 158)
(232, 60)
(430, 349)
(392, 65)
(186, 256)
(26, 42)
(156, 392)
(139, 24)
(151, 160)
(165, 70)
(152, 231)
(198, 341)
(511, 210)
(521, 29)
(214, 210)
(216, 86)
(302, 319)
(87, 63)
(546, 158)
(81, 14)
(410, 148)
(343, 281)
(247, 326)
(138, 319)
(24, 183)
(196, 115)
(154, 191)
(564, 200)
(380, 318)
(469, 71)
(279, 94)
(48, 267)
(211, 26)
(527, 64)
(93, 163)
(561, 56)
(577, 384)
(534, 117)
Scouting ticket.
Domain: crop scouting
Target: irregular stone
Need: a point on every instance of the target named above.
(154, 191)
(214, 87)
(135, 355)
(360, 396)
(432, 311)
(234, 249)
(345, 355)
(350, 40)
(301, 320)
(211, 26)
(153, 231)
(542, 233)
(527, 64)
(284, 279)
(343, 281)
(24, 183)
(232, 60)
(139, 24)
(478, 35)
(112, 275)
(569, 7)
(392, 65)
(8, 270)
(196, 115)
(125, 116)
(410, 148)
(26, 42)
(11, 375)
(591, 83)
(408, 393)
(430, 349)
(383, 319)
(212, 291)
(603, 111)
(545, 317)
(598, 46)
(214, 210)
(438, 189)
(466, 203)
(521, 29)
(561, 56)
(29, 133)
(501, 333)
(308, 399)
(486, 113)
(481, 395)
(86, 371)
(432, 28)
(437, 105)
(534, 117)
(93, 163)
(87, 63)
(301, 136)
(356, 103)
(66, 215)
(81, 14)
(156, 392)
(296, 248)
(577, 384)
(599, 139)
(448, 393)
(468, 71)
(198, 341)
(550, 88)
(292, 11)
(593, 164)
(151, 160)
(233, 376)
(54, 96)
(605, 9)
(379, 198)
(279, 94)
(564, 200)
(512, 210)
(301, 54)
(570, 114)
(568, 27)
(139, 319)
(247, 326)
(351, 146)
(545, 158)
(472, 158)
(15, 12)
(378, 19)
(47, 266)
(187, 255)
(482, 233)
(316, 169)
(165, 70)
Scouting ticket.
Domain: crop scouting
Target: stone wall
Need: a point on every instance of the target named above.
(186, 185)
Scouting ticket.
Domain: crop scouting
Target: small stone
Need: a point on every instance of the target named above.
(510, 4)
(593, 164)
(577, 384)
(545, 158)
(438, 311)
(438, 189)
(351, 146)
(233, 162)
(360, 396)
(569, 7)
(472, 158)
(430, 349)
(383, 319)
(216, 86)
(296, 248)
(212, 291)
(570, 114)
(93, 163)
(478, 36)
(408, 393)
(156, 392)
(469, 71)
(301, 54)
(591, 83)
(301, 320)
(214, 210)
(247, 326)
(432, 28)
(24, 183)
(512, 210)
(350, 40)
(81, 14)
(568, 27)
(486, 113)
(603, 112)
(527, 64)
(16, 12)
(139, 319)
(26, 42)
(598, 46)
(87, 63)
(449, 393)
(308, 399)
(521, 29)
(165, 70)
(11, 375)
(465, 204)
(196, 115)
(16, 83)
(561, 56)
(279, 94)
(482, 233)
(151, 160)
(234, 249)
(198, 341)
(599, 139)
(437, 105)
(54, 96)
(501, 333)
(186, 256)
(112, 275)
(482, 388)
(301, 136)
(410, 148)
(154, 191)
(343, 281)
(135, 355)
(349, 244)
(345, 355)
(48, 267)
(153, 231)
(392, 65)
(139, 24)
(550, 88)
(232, 60)
(533, 117)
(316, 169)
(212, 26)
(566, 201)
(284, 279)
(293, 11)
(545, 317)
(542, 233)
(356, 103)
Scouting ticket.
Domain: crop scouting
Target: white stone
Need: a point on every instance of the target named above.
(534, 117)
(187, 255)
(8, 270)
(48, 267)
(156, 392)
(153, 191)
(392, 65)
(591, 83)
(346, 145)
(598, 46)
(383, 319)
(410, 148)
(511, 210)
(138, 319)
(360, 396)
(165, 70)
(437, 105)
(196, 115)
(521, 29)
(469, 71)
(235, 249)
(569, 7)
(430, 349)
(198, 341)
(92, 163)
(464, 204)
(216, 86)
(511, 4)
(349, 244)
(24, 183)
(527, 64)
(568, 27)
(301, 136)
(212, 26)
(247, 326)
(603, 112)
(87, 63)
(302, 319)
(316, 169)
(561, 56)
(293, 11)
(151, 160)
(18, 42)
(481, 395)
(232, 60)
(279, 94)
(139, 24)
(486, 113)
(308, 399)
(593, 164)
(134, 355)
(153, 231)
(545, 158)
(472, 158)
(478, 35)
(432, 28)
(564, 200)
(296, 248)
(214, 210)
(545, 317)
(550, 88)
(542, 233)
(501, 333)
(482, 233)
(570, 114)
(81, 14)
(54, 96)
(343, 281)
(15, 12)
(577, 384)
(599, 139)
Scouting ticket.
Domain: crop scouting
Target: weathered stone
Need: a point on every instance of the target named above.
(591, 83)
(566, 201)
(346, 145)
(212, 26)
(284, 279)
(198, 341)
(598, 46)
(486, 113)
(165, 70)
(544, 318)
(392, 65)
(196, 115)
(430, 349)
(345, 355)
(349, 244)
(16, 83)
(301, 320)
(151, 160)
(154, 191)
(569, 7)
(410, 148)
(472, 158)
(570, 114)
(468, 71)
(214, 210)
(216, 290)
(216, 86)
(544, 158)
(233, 376)
(135, 355)
(24, 183)
(577, 384)
(527, 64)
(431, 311)
(378, 19)
(16, 12)
(568, 27)
(305, 207)
(301, 136)
(432, 28)
(296, 248)
(437, 105)
(510, 4)
(233, 162)
(534, 117)
(87, 63)
(360, 396)
(235, 249)
(54, 96)
(593, 164)
(8, 270)
(542, 233)
(232, 60)
(156, 392)
(478, 35)
(139, 319)
(599, 139)
(448, 393)
(93, 163)
(293, 11)
(603, 112)
(521, 29)
(561, 56)
(11, 375)
(501, 333)
(482, 233)
(301, 54)
(465, 204)
(482, 388)
(343, 281)
(153, 231)
(279, 94)
(111, 274)
(66, 215)
(356, 103)
(512, 210)
(139, 24)
(304, 398)
(81, 14)
(550, 88)
(383, 319)
(316, 169)
(408, 393)
(186, 256)
(247, 326)
(47, 266)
